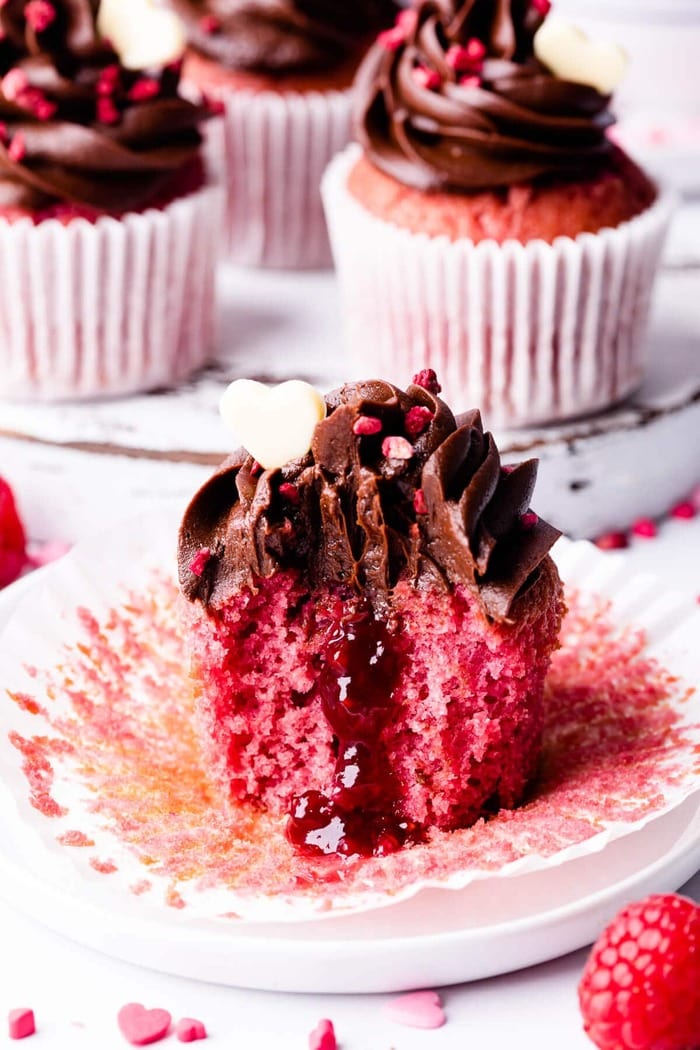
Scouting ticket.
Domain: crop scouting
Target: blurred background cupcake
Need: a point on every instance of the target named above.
(282, 73)
(107, 231)
(489, 227)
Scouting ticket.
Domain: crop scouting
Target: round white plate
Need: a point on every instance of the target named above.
(489, 927)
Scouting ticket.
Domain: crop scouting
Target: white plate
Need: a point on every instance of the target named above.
(491, 926)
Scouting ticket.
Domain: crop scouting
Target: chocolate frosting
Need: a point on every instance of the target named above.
(348, 512)
(434, 120)
(78, 128)
(282, 35)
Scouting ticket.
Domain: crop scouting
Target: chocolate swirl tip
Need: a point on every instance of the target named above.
(394, 488)
(78, 129)
(453, 98)
(282, 36)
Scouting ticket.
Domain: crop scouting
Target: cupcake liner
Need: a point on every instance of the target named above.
(102, 781)
(270, 151)
(530, 333)
(110, 307)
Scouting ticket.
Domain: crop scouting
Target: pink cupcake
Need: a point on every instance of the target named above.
(371, 623)
(488, 225)
(108, 233)
(282, 73)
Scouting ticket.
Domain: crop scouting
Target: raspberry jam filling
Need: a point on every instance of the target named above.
(361, 666)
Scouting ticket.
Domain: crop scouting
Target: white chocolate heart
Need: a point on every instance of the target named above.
(144, 34)
(274, 424)
(568, 53)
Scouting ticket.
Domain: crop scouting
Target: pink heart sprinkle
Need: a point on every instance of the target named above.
(417, 1010)
(323, 1037)
(141, 1026)
(188, 1030)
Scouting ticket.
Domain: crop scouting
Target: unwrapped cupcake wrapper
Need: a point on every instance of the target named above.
(529, 333)
(110, 307)
(270, 150)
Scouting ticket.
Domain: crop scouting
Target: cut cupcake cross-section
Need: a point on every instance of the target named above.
(371, 624)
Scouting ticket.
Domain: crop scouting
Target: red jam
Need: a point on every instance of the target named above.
(359, 814)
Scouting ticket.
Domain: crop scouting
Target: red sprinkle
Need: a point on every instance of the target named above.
(543, 7)
(107, 112)
(144, 89)
(323, 1036)
(108, 80)
(428, 380)
(17, 150)
(529, 519)
(210, 24)
(140, 1026)
(645, 528)
(612, 541)
(395, 447)
(289, 492)
(200, 561)
(366, 425)
(418, 419)
(4, 134)
(429, 79)
(419, 504)
(392, 39)
(468, 58)
(21, 1023)
(189, 1030)
(685, 511)
(40, 14)
(13, 541)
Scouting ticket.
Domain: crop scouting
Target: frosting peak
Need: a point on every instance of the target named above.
(453, 97)
(394, 488)
(282, 35)
(77, 128)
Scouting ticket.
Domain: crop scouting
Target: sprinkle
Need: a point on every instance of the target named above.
(612, 541)
(395, 447)
(107, 112)
(108, 80)
(684, 511)
(428, 380)
(419, 504)
(17, 150)
(200, 561)
(470, 81)
(645, 528)
(289, 492)
(144, 89)
(392, 39)
(529, 519)
(476, 50)
(323, 1036)
(140, 1026)
(210, 24)
(4, 134)
(40, 14)
(21, 1023)
(43, 108)
(14, 84)
(543, 7)
(417, 420)
(366, 425)
(429, 79)
(507, 468)
(255, 468)
(189, 1030)
(469, 58)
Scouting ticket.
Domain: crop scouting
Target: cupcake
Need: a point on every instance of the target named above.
(282, 74)
(487, 224)
(371, 621)
(107, 229)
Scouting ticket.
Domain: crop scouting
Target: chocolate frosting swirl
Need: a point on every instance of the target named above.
(434, 114)
(282, 35)
(77, 127)
(348, 512)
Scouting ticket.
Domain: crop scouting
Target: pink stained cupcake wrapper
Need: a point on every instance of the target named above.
(530, 333)
(111, 307)
(270, 151)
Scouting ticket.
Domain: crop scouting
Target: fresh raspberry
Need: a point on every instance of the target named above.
(640, 989)
(13, 542)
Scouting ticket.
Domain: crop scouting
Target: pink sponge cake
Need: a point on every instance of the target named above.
(372, 623)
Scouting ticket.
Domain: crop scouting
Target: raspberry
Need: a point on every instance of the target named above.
(13, 542)
(640, 989)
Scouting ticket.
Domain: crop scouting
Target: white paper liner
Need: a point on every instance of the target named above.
(270, 150)
(97, 576)
(110, 307)
(530, 333)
